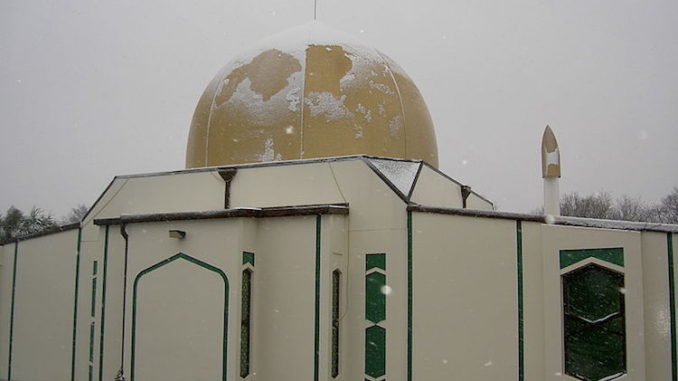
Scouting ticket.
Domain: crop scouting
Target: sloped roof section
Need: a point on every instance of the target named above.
(402, 174)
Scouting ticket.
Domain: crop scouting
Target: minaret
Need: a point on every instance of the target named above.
(550, 168)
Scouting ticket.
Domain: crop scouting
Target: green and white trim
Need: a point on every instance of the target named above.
(375, 315)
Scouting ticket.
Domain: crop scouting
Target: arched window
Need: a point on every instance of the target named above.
(594, 327)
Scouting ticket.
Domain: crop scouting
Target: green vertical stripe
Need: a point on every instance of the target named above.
(375, 312)
(375, 299)
(316, 356)
(375, 351)
(75, 305)
(672, 307)
(11, 314)
(93, 302)
(91, 344)
(409, 296)
(103, 307)
(521, 339)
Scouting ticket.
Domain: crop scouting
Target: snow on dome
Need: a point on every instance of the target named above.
(309, 92)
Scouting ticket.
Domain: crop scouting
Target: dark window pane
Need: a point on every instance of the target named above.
(336, 283)
(245, 323)
(375, 351)
(375, 299)
(594, 328)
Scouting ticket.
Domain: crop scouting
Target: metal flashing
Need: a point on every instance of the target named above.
(560, 220)
(282, 211)
(438, 171)
(414, 183)
(264, 164)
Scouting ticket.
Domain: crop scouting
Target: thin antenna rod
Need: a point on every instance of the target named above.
(315, 9)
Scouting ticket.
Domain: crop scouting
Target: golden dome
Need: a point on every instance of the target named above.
(306, 93)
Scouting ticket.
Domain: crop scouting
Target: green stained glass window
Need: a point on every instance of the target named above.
(245, 329)
(375, 300)
(375, 351)
(594, 328)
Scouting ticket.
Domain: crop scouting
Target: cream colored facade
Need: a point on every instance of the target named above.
(265, 267)
(468, 293)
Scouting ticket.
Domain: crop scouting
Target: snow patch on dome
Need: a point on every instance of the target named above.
(326, 103)
(294, 99)
(367, 114)
(394, 125)
(265, 113)
(358, 131)
(269, 153)
(381, 87)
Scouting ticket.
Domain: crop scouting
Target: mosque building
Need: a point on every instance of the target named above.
(313, 238)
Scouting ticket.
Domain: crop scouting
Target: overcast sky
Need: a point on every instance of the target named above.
(93, 89)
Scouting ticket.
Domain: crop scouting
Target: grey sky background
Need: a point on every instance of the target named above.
(93, 89)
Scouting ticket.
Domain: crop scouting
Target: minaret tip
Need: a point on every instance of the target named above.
(550, 154)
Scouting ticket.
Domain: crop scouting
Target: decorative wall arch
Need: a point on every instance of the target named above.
(165, 262)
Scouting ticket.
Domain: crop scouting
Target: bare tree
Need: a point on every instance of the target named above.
(633, 209)
(599, 205)
(668, 209)
(76, 214)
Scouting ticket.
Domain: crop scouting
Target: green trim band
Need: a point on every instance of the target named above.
(75, 304)
(521, 327)
(103, 306)
(11, 314)
(409, 296)
(672, 307)
(375, 260)
(611, 255)
(93, 302)
(375, 352)
(375, 313)
(91, 344)
(316, 341)
(247, 257)
(375, 298)
(156, 266)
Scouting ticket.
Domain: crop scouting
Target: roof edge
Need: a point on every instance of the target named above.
(277, 211)
(555, 220)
